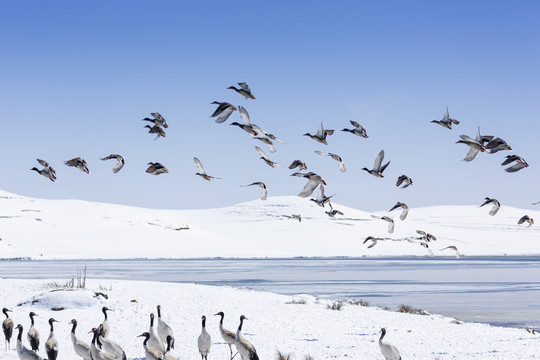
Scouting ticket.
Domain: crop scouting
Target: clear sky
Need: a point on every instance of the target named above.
(78, 77)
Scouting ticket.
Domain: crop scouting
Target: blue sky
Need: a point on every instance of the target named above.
(78, 77)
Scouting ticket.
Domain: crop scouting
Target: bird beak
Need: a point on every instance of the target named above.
(140, 335)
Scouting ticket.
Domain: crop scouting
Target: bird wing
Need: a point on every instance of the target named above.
(244, 86)
(320, 131)
(404, 213)
(264, 192)
(509, 159)
(496, 207)
(43, 163)
(391, 227)
(199, 165)
(73, 162)
(157, 116)
(395, 206)
(378, 161)
(375, 216)
(320, 195)
(341, 166)
(471, 154)
(523, 219)
(309, 188)
(516, 167)
(355, 124)
(224, 115)
(261, 152)
(478, 136)
(244, 115)
(294, 164)
(400, 180)
(421, 232)
(322, 153)
(446, 115)
(384, 167)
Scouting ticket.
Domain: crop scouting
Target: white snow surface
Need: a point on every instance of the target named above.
(275, 323)
(74, 229)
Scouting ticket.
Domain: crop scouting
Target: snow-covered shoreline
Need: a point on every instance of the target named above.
(301, 325)
(74, 229)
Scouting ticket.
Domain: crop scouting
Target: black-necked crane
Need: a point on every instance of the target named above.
(245, 348)
(227, 335)
(389, 351)
(51, 345)
(163, 329)
(7, 328)
(33, 334)
(150, 352)
(104, 327)
(204, 342)
(154, 341)
(81, 348)
(110, 347)
(22, 351)
(96, 353)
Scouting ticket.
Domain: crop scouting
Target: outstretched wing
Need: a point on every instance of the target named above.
(224, 115)
(378, 161)
(309, 188)
(261, 153)
(199, 165)
(244, 115)
(43, 163)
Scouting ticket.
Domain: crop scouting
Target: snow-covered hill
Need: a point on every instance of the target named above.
(69, 229)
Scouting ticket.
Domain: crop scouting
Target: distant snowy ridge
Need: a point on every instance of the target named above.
(73, 229)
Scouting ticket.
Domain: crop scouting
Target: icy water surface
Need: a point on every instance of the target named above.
(497, 290)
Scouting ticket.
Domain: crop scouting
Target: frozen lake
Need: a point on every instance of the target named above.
(497, 290)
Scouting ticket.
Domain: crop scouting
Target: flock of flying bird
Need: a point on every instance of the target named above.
(481, 143)
(158, 345)
(158, 340)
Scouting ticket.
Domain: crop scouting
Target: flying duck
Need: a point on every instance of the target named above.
(266, 159)
(475, 145)
(377, 170)
(333, 213)
(321, 135)
(446, 121)
(224, 110)
(78, 163)
(298, 164)
(526, 218)
(119, 164)
(405, 208)
(405, 180)
(202, 173)
(247, 126)
(426, 236)
(156, 130)
(264, 191)
(496, 205)
(47, 170)
(341, 165)
(496, 145)
(452, 247)
(358, 130)
(156, 168)
(268, 143)
(373, 241)
(158, 120)
(321, 199)
(244, 90)
(388, 219)
(520, 163)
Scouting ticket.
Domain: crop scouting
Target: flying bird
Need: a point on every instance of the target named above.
(156, 130)
(377, 170)
(313, 181)
(244, 90)
(266, 159)
(321, 199)
(78, 163)
(373, 241)
(405, 180)
(268, 143)
(341, 165)
(405, 208)
(247, 126)
(47, 170)
(224, 110)
(496, 145)
(120, 162)
(202, 173)
(158, 120)
(452, 247)
(264, 191)
(321, 135)
(389, 220)
(426, 236)
(296, 216)
(333, 213)
(526, 218)
(520, 163)
(298, 164)
(358, 129)
(475, 145)
(496, 205)
(446, 121)
(156, 168)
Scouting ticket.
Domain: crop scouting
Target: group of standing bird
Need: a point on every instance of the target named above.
(158, 340)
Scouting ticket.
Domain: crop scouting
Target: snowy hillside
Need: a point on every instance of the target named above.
(69, 229)
(299, 325)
